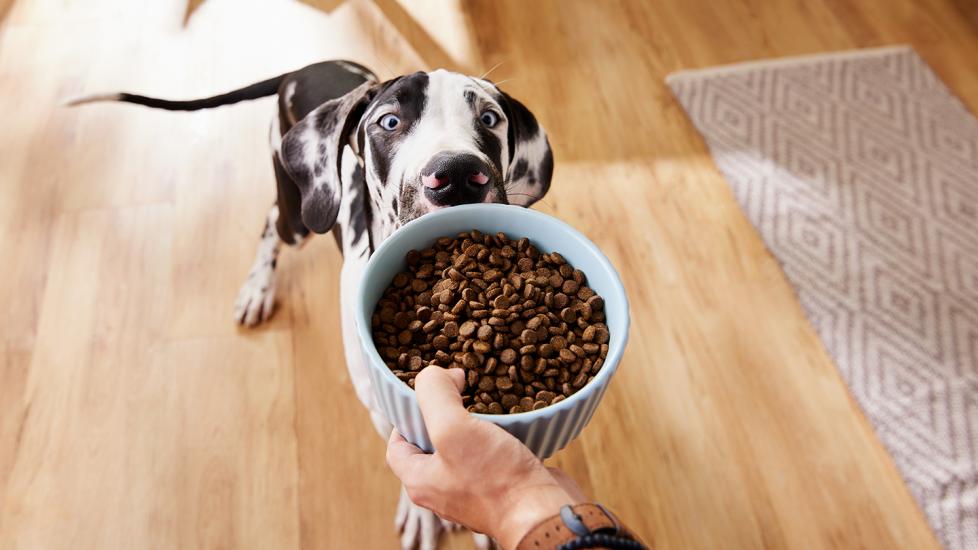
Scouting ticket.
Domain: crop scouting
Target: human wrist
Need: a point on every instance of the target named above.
(526, 510)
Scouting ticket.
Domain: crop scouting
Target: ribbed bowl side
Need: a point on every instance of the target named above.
(544, 435)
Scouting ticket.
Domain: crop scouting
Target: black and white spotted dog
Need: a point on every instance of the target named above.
(360, 157)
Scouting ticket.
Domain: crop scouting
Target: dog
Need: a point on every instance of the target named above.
(359, 158)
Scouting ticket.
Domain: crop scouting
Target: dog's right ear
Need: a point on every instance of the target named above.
(312, 154)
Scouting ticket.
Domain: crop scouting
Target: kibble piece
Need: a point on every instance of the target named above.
(401, 279)
(508, 356)
(467, 329)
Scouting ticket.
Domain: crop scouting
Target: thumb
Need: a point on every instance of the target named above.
(440, 399)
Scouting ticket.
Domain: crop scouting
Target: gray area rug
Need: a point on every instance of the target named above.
(860, 171)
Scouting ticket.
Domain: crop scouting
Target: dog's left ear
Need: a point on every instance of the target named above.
(531, 163)
(312, 154)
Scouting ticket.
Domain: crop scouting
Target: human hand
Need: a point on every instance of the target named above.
(479, 475)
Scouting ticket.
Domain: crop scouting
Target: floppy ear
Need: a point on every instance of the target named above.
(312, 154)
(531, 161)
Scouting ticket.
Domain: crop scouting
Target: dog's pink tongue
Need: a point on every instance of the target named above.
(479, 178)
(431, 182)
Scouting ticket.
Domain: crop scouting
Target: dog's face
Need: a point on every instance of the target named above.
(425, 141)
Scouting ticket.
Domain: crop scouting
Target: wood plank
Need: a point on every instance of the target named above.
(134, 413)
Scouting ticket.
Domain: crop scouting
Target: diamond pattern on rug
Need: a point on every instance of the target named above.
(860, 171)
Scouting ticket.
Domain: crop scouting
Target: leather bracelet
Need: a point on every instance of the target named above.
(581, 520)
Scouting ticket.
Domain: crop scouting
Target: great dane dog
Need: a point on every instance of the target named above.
(360, 158)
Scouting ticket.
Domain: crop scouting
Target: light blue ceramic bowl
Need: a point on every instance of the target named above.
(544, 431)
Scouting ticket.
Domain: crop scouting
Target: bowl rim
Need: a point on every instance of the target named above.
(615, 352)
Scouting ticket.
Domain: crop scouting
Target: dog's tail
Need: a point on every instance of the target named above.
(254, 91)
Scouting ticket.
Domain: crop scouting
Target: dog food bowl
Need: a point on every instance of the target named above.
(544, 431)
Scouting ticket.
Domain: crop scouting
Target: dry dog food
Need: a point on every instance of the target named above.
(523, 325)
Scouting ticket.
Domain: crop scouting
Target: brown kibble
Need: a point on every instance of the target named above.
(545, 396)
(500, 341)
(503, 383)
(547, 351)
(509, 401)
(567, 315)
(522, 323)
(470, 360)
(440, 342)
(467, 329)
(481, 347)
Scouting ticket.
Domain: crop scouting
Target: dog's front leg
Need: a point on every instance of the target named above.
(256, 299)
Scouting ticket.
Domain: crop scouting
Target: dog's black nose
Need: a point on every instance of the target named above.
(456, 178)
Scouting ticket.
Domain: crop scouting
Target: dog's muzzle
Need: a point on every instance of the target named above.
(452, 178)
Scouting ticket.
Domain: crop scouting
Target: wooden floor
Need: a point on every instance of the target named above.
(135, 414)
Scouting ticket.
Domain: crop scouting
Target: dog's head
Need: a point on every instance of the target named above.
(425, 141)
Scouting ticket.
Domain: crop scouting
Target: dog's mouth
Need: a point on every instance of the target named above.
(494, 195)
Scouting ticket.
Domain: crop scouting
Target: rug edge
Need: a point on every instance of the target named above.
(794, 59)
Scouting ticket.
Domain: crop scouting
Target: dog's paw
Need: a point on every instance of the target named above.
(419, 527)
(256, 299)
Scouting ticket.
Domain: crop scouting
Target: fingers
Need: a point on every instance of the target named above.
(404, 458)
(440, 399)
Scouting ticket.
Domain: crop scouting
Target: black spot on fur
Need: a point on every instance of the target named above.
(519, 169)
(358, 218)
(289, 223)
(546, 170)
(489, 144)
(316, 84)
(408, 95)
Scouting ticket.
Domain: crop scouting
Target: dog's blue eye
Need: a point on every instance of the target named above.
(489, 118)
(389, 122)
